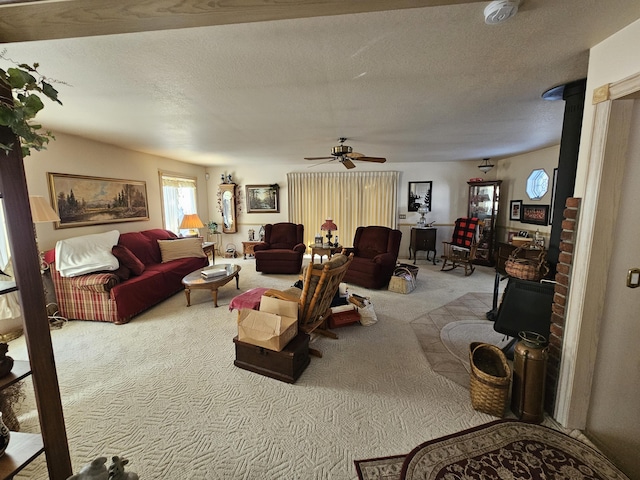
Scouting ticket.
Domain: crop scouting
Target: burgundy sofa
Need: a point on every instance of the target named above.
(375, 253)
(116, 296)
(282, 249)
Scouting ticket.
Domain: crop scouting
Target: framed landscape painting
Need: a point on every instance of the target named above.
(81, 200)
(263, 199)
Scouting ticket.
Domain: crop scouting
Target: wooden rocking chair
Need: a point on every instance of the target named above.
(461, 250)
(320, 285)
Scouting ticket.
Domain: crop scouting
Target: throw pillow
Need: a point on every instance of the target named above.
(128, 259)
(181, 248)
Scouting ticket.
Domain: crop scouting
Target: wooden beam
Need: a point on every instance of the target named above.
(44, 20)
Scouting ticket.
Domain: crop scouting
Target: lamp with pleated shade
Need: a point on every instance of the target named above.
(192, 223)
(328, 226)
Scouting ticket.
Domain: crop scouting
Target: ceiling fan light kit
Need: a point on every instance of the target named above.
(500, 11)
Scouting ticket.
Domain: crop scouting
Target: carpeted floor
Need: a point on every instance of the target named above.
(163, 392)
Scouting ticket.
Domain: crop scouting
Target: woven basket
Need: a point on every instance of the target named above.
(490, 379)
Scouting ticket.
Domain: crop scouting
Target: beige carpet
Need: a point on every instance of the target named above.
(163, 392)
(457, 336)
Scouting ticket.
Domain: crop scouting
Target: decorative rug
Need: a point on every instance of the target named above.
(500, 449)
(456, 337)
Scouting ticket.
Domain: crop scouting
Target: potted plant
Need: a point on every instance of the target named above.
(16, 112)
(212, 226)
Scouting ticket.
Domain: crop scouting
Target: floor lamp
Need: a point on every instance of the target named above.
(41, 212)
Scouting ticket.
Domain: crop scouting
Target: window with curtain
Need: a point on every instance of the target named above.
(350, 199)
(178, 200)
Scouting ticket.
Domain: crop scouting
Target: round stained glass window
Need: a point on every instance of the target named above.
(537, 184)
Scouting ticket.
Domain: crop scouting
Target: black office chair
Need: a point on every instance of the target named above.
(526, 306)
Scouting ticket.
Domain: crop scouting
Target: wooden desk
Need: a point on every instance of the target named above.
(247, 249)
(423, 239)
(324, 250)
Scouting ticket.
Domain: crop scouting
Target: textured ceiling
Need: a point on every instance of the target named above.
(418, 84)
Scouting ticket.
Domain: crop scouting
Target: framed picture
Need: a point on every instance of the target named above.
(553, 194)
(419, 194)
(510, 236)
(81, 200)
(536, 214)
(515, 210)
(263, 198)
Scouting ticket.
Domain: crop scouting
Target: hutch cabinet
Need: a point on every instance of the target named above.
(24, 447)
(423, 239)
(484, 199)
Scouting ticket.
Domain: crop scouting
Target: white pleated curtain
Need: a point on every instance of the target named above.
(350, 199)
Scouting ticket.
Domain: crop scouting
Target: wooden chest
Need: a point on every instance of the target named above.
(286, 365)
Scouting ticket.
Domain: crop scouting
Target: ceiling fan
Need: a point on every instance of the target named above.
(345, 154)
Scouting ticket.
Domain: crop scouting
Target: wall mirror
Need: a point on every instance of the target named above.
(228, 207)
(537, 184)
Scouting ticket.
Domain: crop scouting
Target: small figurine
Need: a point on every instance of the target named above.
(6, 362)
(93, 471)
(116, 470)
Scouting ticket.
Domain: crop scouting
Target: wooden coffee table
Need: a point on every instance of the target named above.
(195, 281)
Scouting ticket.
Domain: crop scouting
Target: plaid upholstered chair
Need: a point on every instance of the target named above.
(461, 250)
(319, 286)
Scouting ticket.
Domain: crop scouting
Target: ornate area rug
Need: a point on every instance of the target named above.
(503, 449)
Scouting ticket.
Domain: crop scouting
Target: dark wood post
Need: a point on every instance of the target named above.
(26, 265)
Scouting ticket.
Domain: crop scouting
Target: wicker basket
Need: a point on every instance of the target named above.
(490, 379)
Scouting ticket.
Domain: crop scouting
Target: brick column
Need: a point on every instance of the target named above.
(563, 281)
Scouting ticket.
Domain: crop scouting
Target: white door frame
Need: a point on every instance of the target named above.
(607, 157)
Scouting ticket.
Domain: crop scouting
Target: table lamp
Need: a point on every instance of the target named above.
(328, 226)
(422, 210)
(192, 223)
(41, 212)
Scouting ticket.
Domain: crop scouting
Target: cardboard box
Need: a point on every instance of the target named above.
(272, 327)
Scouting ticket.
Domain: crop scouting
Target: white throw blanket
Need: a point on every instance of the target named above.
(88, 253)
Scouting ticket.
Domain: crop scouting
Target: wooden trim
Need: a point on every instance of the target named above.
(38, 20)
(601, 94)
(593, 251)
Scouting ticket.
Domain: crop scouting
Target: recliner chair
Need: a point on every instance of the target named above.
(282, 249)
(375, 253)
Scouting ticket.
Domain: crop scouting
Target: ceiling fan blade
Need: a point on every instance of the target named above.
(355, 155)
(371, 159)
(321, 163)
(348, 163)
(319, 158)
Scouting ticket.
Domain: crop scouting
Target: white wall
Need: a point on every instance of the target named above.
(449, 194)
(78, 156)
(514, 172)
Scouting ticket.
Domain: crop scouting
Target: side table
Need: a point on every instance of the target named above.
(324, 250)
(423, 239)
(247, 249)
(209, 249)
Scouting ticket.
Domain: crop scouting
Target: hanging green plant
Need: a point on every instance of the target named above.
(25, 83)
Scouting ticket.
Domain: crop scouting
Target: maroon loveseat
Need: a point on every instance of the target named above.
(118, 296)
(375, 252)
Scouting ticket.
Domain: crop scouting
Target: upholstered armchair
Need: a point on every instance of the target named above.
(375, 252)
(282, 249)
